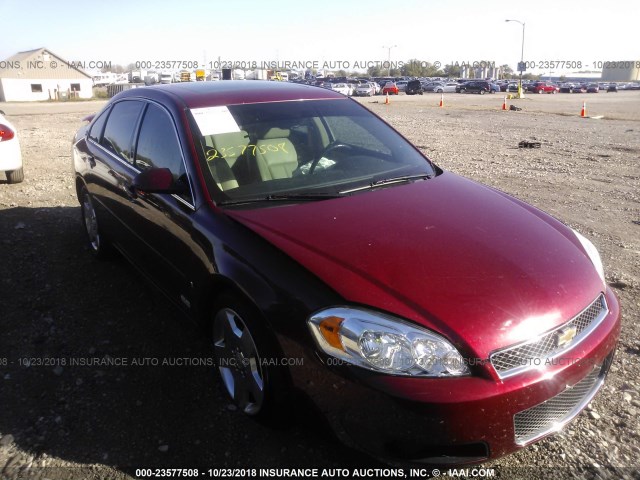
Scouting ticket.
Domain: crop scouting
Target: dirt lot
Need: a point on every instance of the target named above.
(59, 421)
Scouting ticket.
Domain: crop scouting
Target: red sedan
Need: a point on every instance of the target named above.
(433, 319)
(390, 88)
(543, 87)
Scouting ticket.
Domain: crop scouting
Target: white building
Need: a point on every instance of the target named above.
(621, 71)
(41, 75)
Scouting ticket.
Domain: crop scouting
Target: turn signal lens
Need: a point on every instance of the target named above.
(330, 330)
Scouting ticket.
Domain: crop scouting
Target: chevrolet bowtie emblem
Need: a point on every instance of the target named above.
(565, 336)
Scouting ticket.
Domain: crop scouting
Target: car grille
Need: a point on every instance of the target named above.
(536, 352)
(553, 414)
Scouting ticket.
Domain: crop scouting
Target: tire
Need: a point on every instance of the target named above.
(540, 91)
(481, 92)
(554, 92)
(246, 356)
(99, 245)
(15, 176)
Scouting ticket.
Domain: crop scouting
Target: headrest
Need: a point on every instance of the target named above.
(277, 133)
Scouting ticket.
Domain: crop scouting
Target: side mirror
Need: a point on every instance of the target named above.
(157, 180)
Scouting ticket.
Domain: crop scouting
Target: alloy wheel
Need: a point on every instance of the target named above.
(238, 361)
(90, 223)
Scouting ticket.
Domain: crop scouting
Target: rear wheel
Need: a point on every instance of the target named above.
(98, 244)
(15, 176)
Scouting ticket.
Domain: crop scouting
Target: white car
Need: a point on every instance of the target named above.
(449, 87)
(342, 88)
(10, 154)
(365, 90)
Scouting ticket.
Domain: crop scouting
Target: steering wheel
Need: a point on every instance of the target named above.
(330, 148)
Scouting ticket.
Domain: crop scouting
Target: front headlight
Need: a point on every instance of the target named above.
(383, 343)
(592, 251)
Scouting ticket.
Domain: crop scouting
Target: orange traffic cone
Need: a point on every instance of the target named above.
(386, 100)
(504, 104)
(441, 100)
(583, 112)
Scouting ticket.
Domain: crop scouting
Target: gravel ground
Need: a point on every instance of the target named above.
(61, 421)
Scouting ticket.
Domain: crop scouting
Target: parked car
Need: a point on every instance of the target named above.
(414, 87)
(10, 153)
(342, 88)
(593, 88)
(480, 87)
(263, 209)
(440, 87)
(364, 90)
(543, 87)
(580, 88)
(390, 88)
(402, 85)
(512, 87)
(495, 88)
(432, 86)
(613, 87)
(567, 87)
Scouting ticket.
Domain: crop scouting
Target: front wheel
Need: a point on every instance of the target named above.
(247, 359)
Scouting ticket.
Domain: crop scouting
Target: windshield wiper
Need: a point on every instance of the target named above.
(283, 197)
(389, 181)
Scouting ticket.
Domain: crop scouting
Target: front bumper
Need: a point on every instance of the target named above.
(459, 420)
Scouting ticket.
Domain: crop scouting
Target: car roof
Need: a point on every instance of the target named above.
(230, 92)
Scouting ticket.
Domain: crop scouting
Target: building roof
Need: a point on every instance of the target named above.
(40, 64)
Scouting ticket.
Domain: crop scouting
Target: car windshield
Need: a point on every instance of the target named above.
(311, 148)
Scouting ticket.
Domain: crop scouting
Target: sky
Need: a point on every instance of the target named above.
(331, 31)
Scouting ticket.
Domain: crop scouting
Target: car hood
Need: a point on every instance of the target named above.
(470, 262)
